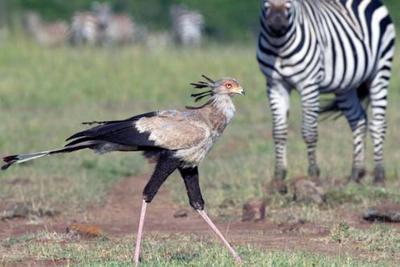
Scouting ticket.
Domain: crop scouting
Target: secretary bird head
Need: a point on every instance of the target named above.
(224, 86)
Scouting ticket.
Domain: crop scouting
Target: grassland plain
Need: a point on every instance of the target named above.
(45, 94)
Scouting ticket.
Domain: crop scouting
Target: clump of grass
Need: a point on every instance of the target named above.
(340, 233)
(159, 250)
(380, 240)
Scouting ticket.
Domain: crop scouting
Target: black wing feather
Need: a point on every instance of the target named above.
(149, 114)
(121, 132)
(102, 128)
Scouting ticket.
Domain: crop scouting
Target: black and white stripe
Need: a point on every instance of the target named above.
(344, 47)
(113, 29)
(84, 29)
(187, 25)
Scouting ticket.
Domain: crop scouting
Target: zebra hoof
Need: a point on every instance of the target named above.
(278, 186)
(357, 174)
(280, 174)
(379, 176)
(313, 171)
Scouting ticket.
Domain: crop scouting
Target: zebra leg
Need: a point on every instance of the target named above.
(359, 133)
(357, 119)
(278, 96)
(378, 123)
(310, 106)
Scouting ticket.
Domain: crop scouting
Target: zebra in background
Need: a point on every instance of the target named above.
(113, 29)
(187, 25)
(45, 34)
(344, 47)
(84, 29)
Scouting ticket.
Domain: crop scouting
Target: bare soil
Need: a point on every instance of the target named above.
(119, 217)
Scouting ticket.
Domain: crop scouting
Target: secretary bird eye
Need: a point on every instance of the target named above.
(176, 139)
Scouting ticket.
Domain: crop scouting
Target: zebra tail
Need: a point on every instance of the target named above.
(330, 107)
(21, 158)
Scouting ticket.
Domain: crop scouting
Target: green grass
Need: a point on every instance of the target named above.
(45, 94)
(381, 241)
(159, 250)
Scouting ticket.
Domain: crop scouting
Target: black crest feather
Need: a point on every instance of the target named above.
(208, 79)
(200, 85)
(209, 83)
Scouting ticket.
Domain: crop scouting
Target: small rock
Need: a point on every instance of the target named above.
(26, 210)
(383, 213)
(181, 213)
(85, 230)
(308, 191)
(48, 213)
(17, 210)
(254, 210)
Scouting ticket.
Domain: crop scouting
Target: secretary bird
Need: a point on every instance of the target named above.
(175, 139)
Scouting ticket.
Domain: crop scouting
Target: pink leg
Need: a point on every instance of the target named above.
(140, 232)
(219, 234)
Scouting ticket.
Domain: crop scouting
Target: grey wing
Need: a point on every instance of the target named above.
(174, 130)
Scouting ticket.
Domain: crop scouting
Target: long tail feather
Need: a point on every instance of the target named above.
(10, 160)
(21, 158)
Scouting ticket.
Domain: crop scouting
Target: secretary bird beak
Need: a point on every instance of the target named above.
(240, 91)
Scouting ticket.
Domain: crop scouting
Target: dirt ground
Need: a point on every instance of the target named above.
(119, 217)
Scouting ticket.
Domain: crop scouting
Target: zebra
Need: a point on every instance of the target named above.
(113, 29)
(187, 25)
(45, 34)
(84, 28)
(344, 47)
